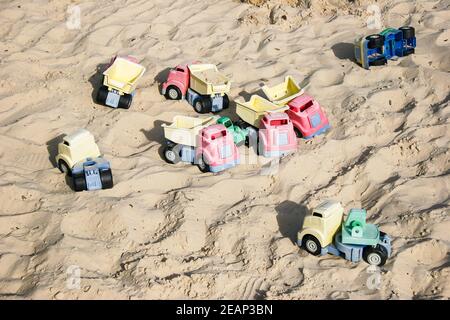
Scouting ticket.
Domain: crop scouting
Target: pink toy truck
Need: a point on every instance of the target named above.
(197, 140)
(307, 116)
(269, 128)
(203, 86)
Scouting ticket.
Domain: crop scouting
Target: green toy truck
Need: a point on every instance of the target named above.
(239, 134)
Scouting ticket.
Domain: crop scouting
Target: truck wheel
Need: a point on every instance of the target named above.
(225, 102)
(173, 93)
(102, 94)
(375, 256)
(125, 101)
(79, 182)
(207, 104)
(312, 245)
(375, 41)
(172, 154)
(64, 167)
(408, 32)
(106, 179)
(202, 165)
(298, 134)
(198, 105)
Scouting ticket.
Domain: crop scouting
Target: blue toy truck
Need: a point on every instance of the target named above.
(92, 174)
(377, 49)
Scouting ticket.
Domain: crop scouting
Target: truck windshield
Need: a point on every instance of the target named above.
(306, 105)
(278, 122)
(218, 135)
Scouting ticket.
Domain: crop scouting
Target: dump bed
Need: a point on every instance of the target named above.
(252, 111)
(207, 80)
(284, 92)
(184, 129)
(123, 75)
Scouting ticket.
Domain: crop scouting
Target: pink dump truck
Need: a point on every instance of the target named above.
(202, 85)
(306, 114)
(269, 128)
(200, 141)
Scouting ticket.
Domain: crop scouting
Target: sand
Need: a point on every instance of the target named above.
(167, 232)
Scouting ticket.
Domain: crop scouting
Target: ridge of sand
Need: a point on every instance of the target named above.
(169, 231)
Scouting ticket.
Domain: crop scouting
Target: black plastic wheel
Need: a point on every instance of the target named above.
(375, 256)
(207, 104)
(311, 244)
(409, 51)
(102, 94)
(226, 102)
(378, 62)
(173, 93)
(198, 105)
(79, 182)
(106, 178)
(125, 101)
(375, 41)
(64, 167)
(172, 154)
(298, 134)
(408, 32)
(202, 165)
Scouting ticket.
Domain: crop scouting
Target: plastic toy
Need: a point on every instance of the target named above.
(203, 86)
(268, 126)
(239, 135)
(377, 49)
(306, 114)
(200, 141)
(324, 232)
(79, 157)
(119, 82)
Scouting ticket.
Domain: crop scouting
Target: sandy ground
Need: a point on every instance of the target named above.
(168, 231)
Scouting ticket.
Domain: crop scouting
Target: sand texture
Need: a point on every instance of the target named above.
(169, 231)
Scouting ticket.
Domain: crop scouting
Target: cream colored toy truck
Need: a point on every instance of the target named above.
(79, 157)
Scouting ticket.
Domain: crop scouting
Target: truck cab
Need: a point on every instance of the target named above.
(239, 135)
(276, 135)
(321, 225)
(216, 151)
(307, 117)
(75, 148)
(177, 83)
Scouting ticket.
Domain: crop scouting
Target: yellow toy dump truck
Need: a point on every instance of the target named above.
(119, 82)
(203, 86)
(270, 132)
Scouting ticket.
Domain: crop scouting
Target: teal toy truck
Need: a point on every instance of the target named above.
(239, 134)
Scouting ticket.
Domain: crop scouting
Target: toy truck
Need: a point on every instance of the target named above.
(119, 82)
(200, 141)
(239, 135)
(203, 86)
(306, 114)
(269, 129)
(377, 49)
(79, 157)
(353, 239)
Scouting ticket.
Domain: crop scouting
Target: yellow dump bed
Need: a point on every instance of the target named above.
(184, 129)
(284, 92)
(123, 75)
(252, 111)
(206, 79)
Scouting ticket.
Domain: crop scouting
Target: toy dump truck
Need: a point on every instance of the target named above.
(119, 82)
(306, 114)
(200, 141)
(377, 49)
(239, 135)
(79, 157)
(203, 86)
(353, 239)
(270, 130)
